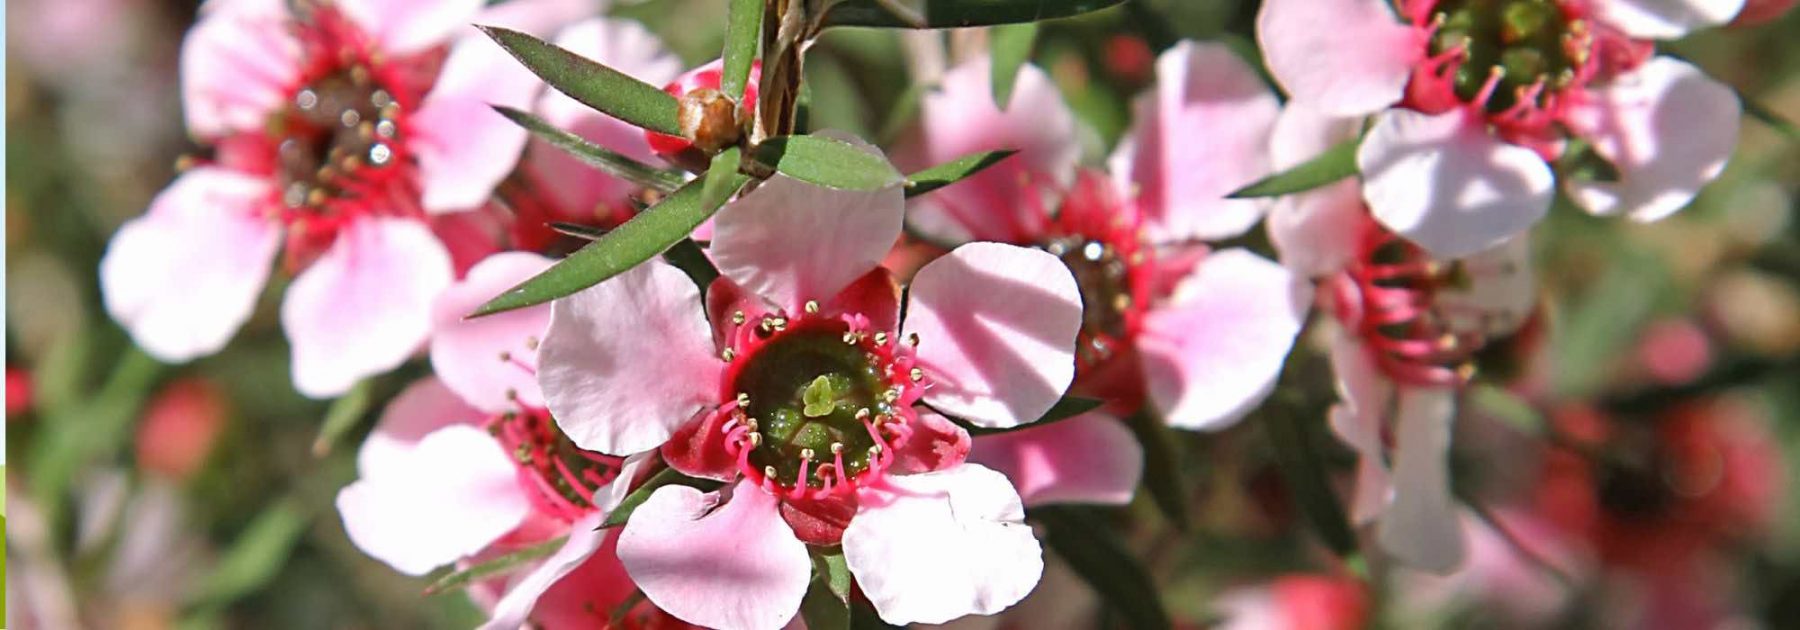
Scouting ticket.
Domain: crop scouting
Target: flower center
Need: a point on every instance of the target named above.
(818, 403)
(336, 127)
(560, 477)
(1095, 234)
(1524, 47)
(1389, 297)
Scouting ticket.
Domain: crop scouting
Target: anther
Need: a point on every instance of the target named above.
(916, 375)
(806, 454)
(737, 317)
(743, 400)
(912, 339)
(531, 343)
(837, 448)
(863, 414)
(728, 355)
(812, 306)
(850, 339)
(769, 472)
(891, 395)
(881, 339)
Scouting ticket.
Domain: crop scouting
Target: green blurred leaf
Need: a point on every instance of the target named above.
(257, 555)
(722, 178)
(1067, 407)
(1580, 161)
(1599, 327)
(595, 85)
(498, 566)
(1292, 439)
(637, 497)
(953, 171)
(827, 602)
(743, 27)
(648, 234)
(827, 162)
(1096, 553)
(607, 160)
(343, 416)
(1768, 116)
(1162, 466)
(1011, 47)
(1335, 163)
(1507, 407)
(954, 13)
(89, 429)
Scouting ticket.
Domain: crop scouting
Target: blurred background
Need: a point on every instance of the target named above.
(1638, 472)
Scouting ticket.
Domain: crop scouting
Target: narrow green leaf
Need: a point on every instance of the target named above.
(1581, 161)
(646, 235)
(827, 162)
(954, 13)
(577, 230)
(594, 155)
(743, 28)
(1306, 478)
(1011, 47)
(256, 556)
(1507, 407)
(827, 602)
(615, 93)
(1768, 116)
(1068, 407)
(664, 477)
(1083, 539)
(1335, 163)
(343, 416)
(1162, 466)
(953, 171)
(722, 178)
(687, 257)
(498, 566)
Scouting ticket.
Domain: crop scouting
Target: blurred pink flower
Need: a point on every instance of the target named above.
(180, 426)
(1471, 100)
(1297, 602)
(795, 381)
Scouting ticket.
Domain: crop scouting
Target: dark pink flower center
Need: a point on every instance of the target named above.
(818, 404)
(1389, 297)
(560, 477)
(1096, 234)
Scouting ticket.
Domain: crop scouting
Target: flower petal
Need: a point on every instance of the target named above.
(538, 17)
(737, 566)
(1344, 57)
(1090, 458)
(419, 410)
(996, 326)
(1214, 350)
(1358, 420)
(458, 493)
(464, 147)
(237, 69)
(206, 234)
(790, 241)
(935, 443)
(1447, 184)
(1421, 527)
(1664, 19)
(491, 361)
(1667, 127)
(1500, 294)
(403, 27)
(365, 305)
(1316, 231)
(628, 361)
(942, 545)
(1204, 91)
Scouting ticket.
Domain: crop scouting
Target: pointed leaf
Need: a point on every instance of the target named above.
(743, 28)
(646, 235)
(343, 416)
(577, 230)
(615, 93)
(637, 497)
(1011, 47)
(1163, 480)
(1769, 116)
(1088, 544)
(827, 162)
(722, 178)
(496, 567)
(954, 13)
(1335, 163)
(953, 171)
(607, 160)
(827, 602)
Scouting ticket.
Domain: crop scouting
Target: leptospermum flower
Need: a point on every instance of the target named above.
(467, 465)
(1471, 99)
(796, 381)
(338, 132)
(1200, 335)
(1409, 326)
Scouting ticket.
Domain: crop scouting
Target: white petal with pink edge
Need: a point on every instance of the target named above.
(490, 361)
(463, 146)
(402, 27)
(1215, 348)
(1447, 184)
(1316, 231)
(1091, 458)
(1421, 528)
(184, 277)
(1364, 400)
(790, 241)
(937, 546)
(996, 326)
(422, 408)
(1668, 128)
(628, 361)
(364, 306)
(457, 493)
(1664, 19)
(1344, 57)
(1201, 134)
(237, 68)
(737, 566)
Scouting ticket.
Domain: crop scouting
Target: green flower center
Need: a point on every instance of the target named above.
(1529, 41)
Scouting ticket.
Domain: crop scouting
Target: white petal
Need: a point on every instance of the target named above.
(1447, 184)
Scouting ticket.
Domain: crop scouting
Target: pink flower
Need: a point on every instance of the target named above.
(1200, 335)
(1471, 100)
(337, 132)
(1296, 602)
(795, 380)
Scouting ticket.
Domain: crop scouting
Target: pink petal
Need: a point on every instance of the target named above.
(457, 494)
(789, 241)
(421, 409)
(364, 306)
(628, 361)
(936, 443)
(1421, 529)
(463, 146)
(1201, 134)
(1358, 420)
(237, 69)
(942, 545)
(587, 594)
(1668, 128)
(1664, 19)
(490, 361)
(737, 566)
(404, 27)
(996, 326)
(1343, 57)
(1447, 184)
(1214, 350)
(537, 17)
(206, 234)
(1500, 294)
(960, 118)
(1091, 458)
